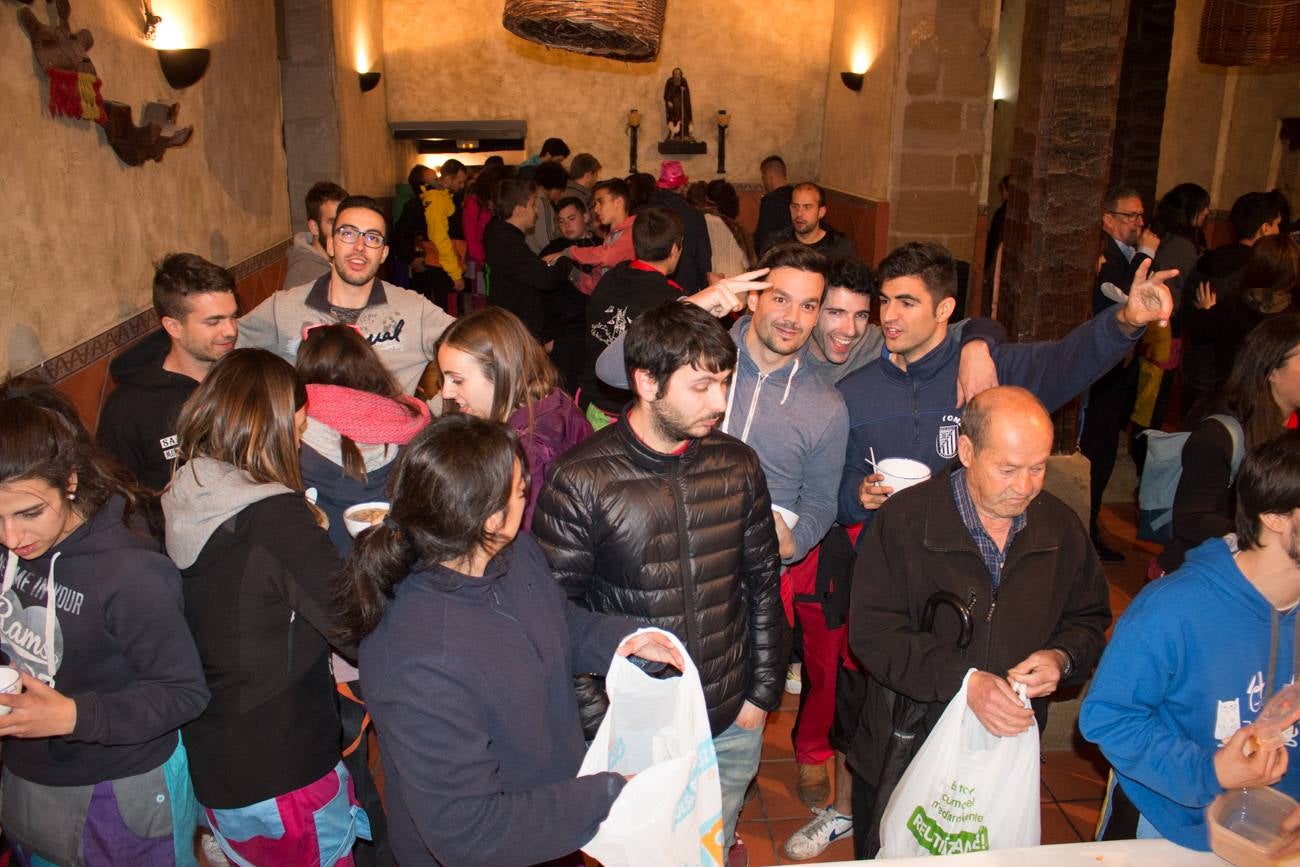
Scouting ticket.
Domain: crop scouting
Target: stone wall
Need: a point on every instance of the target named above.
(768, 67)
(941, 123)
(85, 228)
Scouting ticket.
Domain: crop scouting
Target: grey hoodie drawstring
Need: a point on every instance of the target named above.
(790, 381)
(51, 615)
(753, 401)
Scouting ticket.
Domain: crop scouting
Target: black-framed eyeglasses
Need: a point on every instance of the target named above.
(1128, 215)
(349, 234)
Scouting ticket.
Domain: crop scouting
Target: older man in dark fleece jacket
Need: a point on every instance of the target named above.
(1019, 560)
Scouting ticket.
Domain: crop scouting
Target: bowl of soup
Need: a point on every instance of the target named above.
(362, 515)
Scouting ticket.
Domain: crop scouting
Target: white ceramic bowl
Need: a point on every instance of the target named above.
(356, 525)
(902, 473)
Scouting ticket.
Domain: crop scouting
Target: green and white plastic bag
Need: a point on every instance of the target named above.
(967, 790)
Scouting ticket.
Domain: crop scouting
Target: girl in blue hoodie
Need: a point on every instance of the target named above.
(94, 772)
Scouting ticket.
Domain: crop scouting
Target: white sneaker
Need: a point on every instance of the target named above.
(794, 678)
(212, 849)
(812, 839)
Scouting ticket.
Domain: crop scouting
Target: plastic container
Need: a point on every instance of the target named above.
(1246, 824)
(1274, 723)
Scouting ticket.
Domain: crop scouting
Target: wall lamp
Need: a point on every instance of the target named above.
(853, 80)
(369, 80)
(183, 66)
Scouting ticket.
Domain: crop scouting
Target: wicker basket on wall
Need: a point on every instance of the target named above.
(1250, 32)
(622, 29)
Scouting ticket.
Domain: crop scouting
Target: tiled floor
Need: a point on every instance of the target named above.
(1073, 781)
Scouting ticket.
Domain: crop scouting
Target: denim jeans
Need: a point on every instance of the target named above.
(738, 752)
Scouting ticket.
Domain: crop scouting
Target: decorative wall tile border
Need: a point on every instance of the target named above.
(256, 263)
(107, 342)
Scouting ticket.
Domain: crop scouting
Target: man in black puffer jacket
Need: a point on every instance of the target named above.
(662, 517)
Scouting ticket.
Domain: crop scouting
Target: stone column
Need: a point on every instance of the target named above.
(1060, 167)
(312, 138)
(942, 121)
(1143, 83)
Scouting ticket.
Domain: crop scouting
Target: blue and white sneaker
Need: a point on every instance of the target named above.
(812, 839)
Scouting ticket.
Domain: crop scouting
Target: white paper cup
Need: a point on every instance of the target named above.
(356, 524)
(901, 473)
(788, 516)
(10, 683)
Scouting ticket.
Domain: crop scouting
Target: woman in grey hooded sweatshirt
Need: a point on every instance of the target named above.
(255, 568)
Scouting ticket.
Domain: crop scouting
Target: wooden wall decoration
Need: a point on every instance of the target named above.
(76, 90)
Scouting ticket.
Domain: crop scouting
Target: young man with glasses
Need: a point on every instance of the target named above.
(401, 325)
(1128, 243)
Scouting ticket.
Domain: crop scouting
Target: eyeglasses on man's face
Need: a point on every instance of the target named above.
(1128, 216)
(349, 234)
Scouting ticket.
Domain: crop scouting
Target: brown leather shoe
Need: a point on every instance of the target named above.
(814, 785)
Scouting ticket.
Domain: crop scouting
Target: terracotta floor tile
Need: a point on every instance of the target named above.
(1057, 827)
(1073, 775)
(758, 841)
(777, 783)
(840, 850)
(1083, 816)
(776, 735)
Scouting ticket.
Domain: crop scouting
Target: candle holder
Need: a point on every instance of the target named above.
(724, 120)
(633, 128)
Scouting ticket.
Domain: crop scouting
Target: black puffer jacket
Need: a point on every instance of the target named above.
(683, 541)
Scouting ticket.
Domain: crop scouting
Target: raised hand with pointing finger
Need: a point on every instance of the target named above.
(727, 295)
(1149, 299)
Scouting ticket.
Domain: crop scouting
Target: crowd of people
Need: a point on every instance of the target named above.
(641, 414)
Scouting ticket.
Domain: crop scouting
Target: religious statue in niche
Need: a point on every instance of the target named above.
(677, 113)
(677, 106)
(75, 90)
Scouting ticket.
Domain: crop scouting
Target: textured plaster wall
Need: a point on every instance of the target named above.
(83, 229)
(366, 145)
(765, 63)
(1221, 124)
(857, 128)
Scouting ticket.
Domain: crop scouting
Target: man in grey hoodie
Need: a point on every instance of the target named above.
(307, 259)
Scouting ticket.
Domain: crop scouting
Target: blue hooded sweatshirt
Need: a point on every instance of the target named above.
(1188, 665)
(913, 413)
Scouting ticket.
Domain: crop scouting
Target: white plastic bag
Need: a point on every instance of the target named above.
(671, 811)
(967, 790)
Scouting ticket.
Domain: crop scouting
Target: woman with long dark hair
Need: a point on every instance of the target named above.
(91, 616)
(358, 418)
(256, 566)
(492, 368)
(1262, 395)
(468, 651)
(1179, 224)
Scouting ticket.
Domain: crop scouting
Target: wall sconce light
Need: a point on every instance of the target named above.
(853, 80)
(369, 80)
(183, 66)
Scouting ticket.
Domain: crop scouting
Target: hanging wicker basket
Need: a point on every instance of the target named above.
(622, 29)
(1250, 32)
